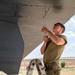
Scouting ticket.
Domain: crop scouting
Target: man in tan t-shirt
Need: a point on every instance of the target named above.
(52, 48)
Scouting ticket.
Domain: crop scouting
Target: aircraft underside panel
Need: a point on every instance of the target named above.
(11, 48)
(11, 42)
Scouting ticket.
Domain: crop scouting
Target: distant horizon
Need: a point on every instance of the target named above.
(42, 58)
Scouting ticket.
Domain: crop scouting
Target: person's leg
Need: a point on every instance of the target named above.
(52, 72)
(57, 72)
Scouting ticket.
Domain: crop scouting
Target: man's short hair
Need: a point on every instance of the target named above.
(61, 26)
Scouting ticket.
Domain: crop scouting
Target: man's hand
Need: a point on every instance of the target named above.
(44, 29)
(45, 38)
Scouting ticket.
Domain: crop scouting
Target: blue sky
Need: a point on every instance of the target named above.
(70, 47)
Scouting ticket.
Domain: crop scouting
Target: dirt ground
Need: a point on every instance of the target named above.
(64, 71)
(68, 71)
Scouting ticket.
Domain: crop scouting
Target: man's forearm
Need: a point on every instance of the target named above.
(43, 48)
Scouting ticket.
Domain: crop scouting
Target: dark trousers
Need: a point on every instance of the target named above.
(52, 72)
(52, 69)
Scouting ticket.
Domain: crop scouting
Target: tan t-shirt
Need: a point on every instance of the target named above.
(53, 51)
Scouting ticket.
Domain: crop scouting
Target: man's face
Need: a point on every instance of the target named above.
(57, 29)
